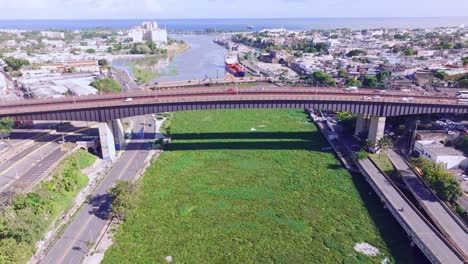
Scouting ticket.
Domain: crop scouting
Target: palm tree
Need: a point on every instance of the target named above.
(384, 143)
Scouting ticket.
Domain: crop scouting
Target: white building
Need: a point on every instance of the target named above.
(437, 152)
(53, 34)
(148, 31)
(3, 84)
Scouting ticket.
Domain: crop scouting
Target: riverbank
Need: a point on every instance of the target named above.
(254, 186)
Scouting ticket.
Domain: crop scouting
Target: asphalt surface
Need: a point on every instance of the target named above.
(27, 167)
(431, 203)
(217, 94)
(72, 245)
(409, 215)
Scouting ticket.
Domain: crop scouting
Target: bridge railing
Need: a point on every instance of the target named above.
(145, 98)
(364, 95)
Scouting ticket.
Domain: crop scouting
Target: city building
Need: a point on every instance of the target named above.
(53, 34)
(148, 31)
(437, 152)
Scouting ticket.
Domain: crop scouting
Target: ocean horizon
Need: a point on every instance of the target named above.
(238, 24)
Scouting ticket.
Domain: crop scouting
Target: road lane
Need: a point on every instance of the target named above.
(74, 243)
(431, 203)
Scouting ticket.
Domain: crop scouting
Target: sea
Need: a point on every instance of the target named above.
(240, 24)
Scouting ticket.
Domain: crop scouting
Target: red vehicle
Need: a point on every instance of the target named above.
(231, 90)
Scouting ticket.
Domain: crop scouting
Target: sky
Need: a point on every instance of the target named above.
(140, 9)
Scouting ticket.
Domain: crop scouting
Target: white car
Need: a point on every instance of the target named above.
(366, 98)
(376, 97)
(407, 99)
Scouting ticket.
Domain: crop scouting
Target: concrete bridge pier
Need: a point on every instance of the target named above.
(362, 124)
(118, 132)
(376, 131)
(111, 136)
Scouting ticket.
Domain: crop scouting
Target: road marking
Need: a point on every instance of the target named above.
(90, 216)
(43, 146)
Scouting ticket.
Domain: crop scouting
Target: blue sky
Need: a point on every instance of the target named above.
(121, 9)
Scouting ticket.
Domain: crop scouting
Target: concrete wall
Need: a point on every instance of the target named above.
(107, 141)
(376, 130)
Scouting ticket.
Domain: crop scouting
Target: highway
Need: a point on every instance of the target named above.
(88, 222)
(424, 235)
(22, 170)
(219, 95)
(431, 204)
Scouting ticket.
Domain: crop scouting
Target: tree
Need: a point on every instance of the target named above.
(319, 77)
(91, 51)
(103, 62)
(124, 195)
(370, 81)
(361, 155)
(465, 61)
(408, 52)
(439, 179)
(353, 53)
(440, 75)
(6, 126)
(16, 64)
(342, 73)
(350, 82)
(383, 76)
(384, 143)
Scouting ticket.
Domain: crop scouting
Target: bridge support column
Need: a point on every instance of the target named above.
(118, 133)
(362, 124)
(376, 131)
(106, 137)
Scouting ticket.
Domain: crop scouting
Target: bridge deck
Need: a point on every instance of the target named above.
(423, 234)
(431, 203)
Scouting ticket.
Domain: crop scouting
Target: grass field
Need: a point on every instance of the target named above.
(223, 193)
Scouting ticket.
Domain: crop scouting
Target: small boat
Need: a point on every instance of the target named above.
(250, 27)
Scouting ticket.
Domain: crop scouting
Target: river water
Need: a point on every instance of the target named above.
(204, 59)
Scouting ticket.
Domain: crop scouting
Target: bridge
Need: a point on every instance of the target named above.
(108, 109)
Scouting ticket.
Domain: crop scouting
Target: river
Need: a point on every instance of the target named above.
(204, 59)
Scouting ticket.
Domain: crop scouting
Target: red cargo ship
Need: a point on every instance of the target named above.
(233, 67)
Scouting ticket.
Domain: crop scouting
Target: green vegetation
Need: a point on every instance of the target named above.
(309, 47)
(106, 85)
(353, 53)
(347, 121)
(439, 179)
(320, 78)
(462, 144)
(124, 198)
(222, 193)
(143, 75)
(383, 76)
(342, 73)
(146, 48)
(408, 52)
(370, 81)
(91, 51)
(6, 126)
(350, 82)
(15, 64)
(103, 62)
(382, 161)
(29, 216)
(440, 75)
(465, 61)
(361, 155)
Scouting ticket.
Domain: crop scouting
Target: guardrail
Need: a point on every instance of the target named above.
(405, 225)
(287, 90)
(461, 223)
